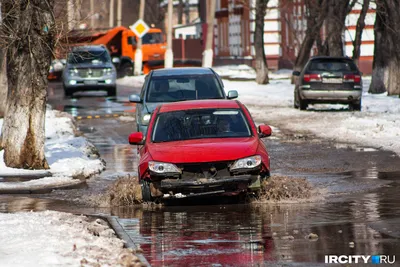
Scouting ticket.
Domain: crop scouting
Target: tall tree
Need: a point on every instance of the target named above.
(315, 12)
(359, 30)
(208, 52)
(3, 77)
(260, 61)
(386, 69)
(335, 25)
(30, 27)
(180, 12)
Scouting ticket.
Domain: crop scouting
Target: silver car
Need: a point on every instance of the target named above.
(89, 68)
(176, 84)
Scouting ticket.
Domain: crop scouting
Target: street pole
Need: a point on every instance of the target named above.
(119, 13)
(138, 54)
(169, 55)
(111, 17)
(208, 51)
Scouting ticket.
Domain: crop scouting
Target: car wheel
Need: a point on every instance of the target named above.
(356, 106)
(126, 70)
(112, 91)
(302, 104)
(146, 193)
(68, 92)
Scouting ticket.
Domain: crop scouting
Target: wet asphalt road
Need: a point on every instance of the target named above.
(359, 201)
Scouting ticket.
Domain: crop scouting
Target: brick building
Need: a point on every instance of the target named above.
(284, 30)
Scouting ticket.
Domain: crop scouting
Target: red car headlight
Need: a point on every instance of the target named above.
(246, 163)
(162, 167)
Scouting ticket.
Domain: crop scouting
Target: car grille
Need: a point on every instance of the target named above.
(90, 73)
(195, 171)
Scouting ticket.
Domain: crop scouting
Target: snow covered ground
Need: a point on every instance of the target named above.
(52, 238)
(69, 157)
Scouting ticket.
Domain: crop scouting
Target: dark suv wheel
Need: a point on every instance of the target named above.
(303, 104)
(68, 92)
(356, 106)
(112, 91)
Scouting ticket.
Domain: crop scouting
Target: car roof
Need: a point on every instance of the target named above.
(182, 71)
(89, 47)
(199, 104)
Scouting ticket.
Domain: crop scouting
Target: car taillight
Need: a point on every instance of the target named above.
(352, 78)
(312, 77)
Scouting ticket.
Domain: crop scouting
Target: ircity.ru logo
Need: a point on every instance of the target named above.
(375, 259)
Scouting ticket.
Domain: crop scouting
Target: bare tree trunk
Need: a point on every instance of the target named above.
(3, 82)
(180, 12)
(208, 52)
(335, 25)
(359, 30)
(392, 8)
(3, 78)
(315, 19)
(261, 61)
(30, 26)
(381, 52)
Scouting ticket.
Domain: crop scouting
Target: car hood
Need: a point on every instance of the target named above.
(204, 150)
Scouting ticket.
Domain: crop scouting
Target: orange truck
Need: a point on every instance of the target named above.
(121, 42)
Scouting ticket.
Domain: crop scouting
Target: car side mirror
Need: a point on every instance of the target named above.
(135, 98)
(296, 73)
(136, 138)
(232, 94)
(264, 131)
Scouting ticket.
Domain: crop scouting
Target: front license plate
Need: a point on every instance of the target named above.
(90, 82)
(332, 80)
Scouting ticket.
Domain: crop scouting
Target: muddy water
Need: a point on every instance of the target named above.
(259, 235)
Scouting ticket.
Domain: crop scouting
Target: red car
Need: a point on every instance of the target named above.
(201, 147)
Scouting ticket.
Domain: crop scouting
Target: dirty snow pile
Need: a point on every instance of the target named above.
(68, 156)
(52, 238)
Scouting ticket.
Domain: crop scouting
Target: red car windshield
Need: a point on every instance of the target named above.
(200, 123)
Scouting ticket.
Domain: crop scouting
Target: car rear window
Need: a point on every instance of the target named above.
(183, 87)
(200, 123)
(332, 65)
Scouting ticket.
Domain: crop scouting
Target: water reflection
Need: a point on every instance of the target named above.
(258, 235)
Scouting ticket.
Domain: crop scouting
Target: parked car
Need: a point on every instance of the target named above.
(335, 80)
(176, 84)
(89, 68)
(201, 148)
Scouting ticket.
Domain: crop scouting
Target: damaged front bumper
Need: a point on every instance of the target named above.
(228, 186)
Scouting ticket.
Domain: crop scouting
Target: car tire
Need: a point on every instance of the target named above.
(68, 92)
(296, 100)
(302, 104)
(126, 70)
(146, 193)
(355, 106)
(112, 91)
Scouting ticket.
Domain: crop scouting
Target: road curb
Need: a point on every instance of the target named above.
(121, 233)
